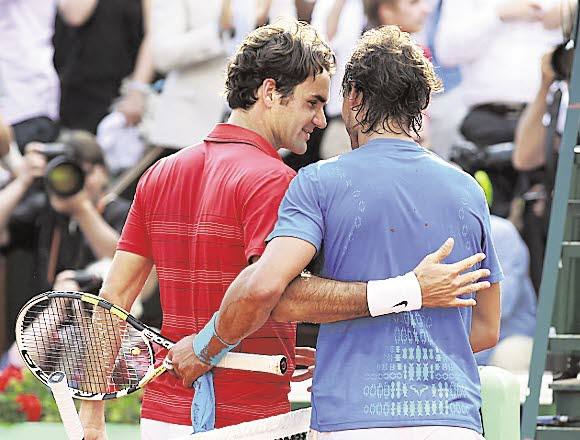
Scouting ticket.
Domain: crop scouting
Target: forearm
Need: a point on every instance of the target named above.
(333, 19)
(485, 320)
(530, 134)
(10, 196)
(247, 305)
(102, 238)
(479, 338)
(319, 300)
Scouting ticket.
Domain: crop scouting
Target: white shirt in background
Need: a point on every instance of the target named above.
(500, 61)
(350, 27)
(244, 17)
(31, 86)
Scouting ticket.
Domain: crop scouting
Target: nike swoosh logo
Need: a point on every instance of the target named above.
(402, 303)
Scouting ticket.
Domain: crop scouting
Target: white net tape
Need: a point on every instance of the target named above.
(291, 426)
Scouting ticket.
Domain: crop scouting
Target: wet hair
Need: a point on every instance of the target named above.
(286, 51)
(395, 79)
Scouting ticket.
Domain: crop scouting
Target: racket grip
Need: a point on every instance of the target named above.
(262, 363)
(66, 407)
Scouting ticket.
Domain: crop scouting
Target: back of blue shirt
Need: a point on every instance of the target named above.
(375, 213)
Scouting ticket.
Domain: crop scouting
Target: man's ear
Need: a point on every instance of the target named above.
(354, 97)
(267, 92)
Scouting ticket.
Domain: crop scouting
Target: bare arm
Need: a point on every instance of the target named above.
(485, 319)
(123, 283)
(272, 286)
(76, 12)
(102, 238)
(530, 135)
(333, 19)
(320, 300)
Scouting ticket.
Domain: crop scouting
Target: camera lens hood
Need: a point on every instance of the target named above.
(64, 176)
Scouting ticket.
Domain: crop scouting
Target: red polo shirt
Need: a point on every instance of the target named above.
(200, 215)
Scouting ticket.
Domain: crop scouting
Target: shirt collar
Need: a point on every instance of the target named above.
(229, 133)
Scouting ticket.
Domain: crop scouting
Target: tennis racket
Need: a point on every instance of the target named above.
(66, 407)
(104, 351)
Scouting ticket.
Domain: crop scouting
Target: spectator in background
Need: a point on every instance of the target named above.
(341, 22)
(63, 232)
(93, 56)
(446, 110)
(518, 301)
(30, 104)
(497, 44)
(186, 45)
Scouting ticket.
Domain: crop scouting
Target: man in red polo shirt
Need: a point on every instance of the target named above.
(202, 214)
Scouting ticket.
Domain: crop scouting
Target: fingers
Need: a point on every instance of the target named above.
(443, 252)
(472, 277)
(307, 374)
(305, 356)
(467, 263)
(463, 302)
(475, 287)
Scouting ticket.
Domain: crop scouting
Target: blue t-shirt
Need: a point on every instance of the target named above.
(374, 213)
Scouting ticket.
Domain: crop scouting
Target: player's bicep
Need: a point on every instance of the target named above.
(125, 278)
(284, 258)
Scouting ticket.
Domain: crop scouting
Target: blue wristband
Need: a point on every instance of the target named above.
(202, 339)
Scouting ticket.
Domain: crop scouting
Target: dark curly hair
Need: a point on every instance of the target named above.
(395, 78)
(287, 51)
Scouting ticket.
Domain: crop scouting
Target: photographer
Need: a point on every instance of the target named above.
(48, 232)
(497, 44)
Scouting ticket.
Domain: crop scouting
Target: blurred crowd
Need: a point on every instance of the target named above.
(94, 91)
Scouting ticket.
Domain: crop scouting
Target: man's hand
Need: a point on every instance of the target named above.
(441, 284)
(70, 205)
(92, 415)
(65, 282)
(305, 356)
(186, 365)
(132, 106)
(32, 165)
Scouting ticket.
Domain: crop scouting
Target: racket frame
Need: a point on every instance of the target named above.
(147, 334)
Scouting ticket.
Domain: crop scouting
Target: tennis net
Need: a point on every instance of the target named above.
(291, 426)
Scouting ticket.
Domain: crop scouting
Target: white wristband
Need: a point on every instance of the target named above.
(394, 295)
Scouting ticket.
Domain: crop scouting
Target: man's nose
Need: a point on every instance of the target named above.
(320, 119)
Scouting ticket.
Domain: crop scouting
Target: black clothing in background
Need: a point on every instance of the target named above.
(31, 233)
(92, 60)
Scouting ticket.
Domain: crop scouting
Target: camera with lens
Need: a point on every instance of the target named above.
(64, 175)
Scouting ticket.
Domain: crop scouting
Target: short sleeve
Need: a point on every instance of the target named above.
(135, 237)
(259, 210)
(491, 261)
(300, 215)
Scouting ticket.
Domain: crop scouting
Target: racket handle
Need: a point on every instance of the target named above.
(66, 407)
(260, 363)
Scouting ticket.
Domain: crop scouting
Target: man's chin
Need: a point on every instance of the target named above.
(299, 149)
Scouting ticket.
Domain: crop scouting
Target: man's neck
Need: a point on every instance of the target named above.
(364, 138)
(250, 120)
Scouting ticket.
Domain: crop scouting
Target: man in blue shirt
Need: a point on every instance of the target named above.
(370, 214)
(367, 215)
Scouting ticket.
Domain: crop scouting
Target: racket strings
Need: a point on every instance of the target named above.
(99, 352)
